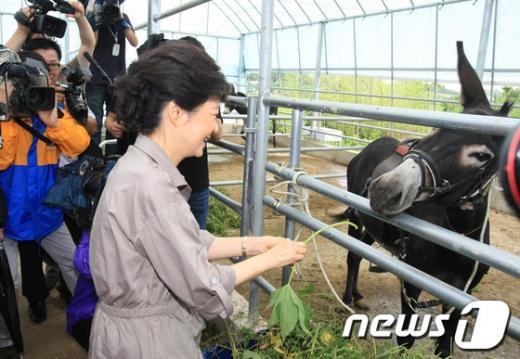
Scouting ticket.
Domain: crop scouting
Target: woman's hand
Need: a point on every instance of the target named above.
(259, 245)
(282, 253)
(286, 252)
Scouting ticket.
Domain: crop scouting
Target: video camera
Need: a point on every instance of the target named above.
(110, 13)
(25, 89)
(43, 23)
(74, 93)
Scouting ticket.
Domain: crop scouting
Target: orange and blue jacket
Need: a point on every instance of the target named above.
(27, 172)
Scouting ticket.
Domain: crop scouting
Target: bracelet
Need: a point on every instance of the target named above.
(244, 246)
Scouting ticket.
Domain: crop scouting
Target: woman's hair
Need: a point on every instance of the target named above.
(175, 71)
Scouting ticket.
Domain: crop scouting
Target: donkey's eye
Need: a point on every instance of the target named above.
(481, 156)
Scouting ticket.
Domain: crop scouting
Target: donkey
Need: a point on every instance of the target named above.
(443, 178)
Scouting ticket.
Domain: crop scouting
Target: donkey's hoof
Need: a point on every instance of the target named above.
(376, 269)
(361, 304)
(343, 310)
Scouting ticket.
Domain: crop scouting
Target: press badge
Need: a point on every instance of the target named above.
(115, 50)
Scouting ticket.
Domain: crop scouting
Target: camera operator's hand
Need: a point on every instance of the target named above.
(49, 118)
(26, 12)
(24, 17)
(79, 10)
(114, 127)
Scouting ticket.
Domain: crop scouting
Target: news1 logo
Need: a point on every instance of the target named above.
(488, 331)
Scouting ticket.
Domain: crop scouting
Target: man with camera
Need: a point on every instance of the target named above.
(112, 28)
(32, 145)
(32, 23)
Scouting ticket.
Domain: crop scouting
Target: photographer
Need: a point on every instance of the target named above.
(34, 135)
(24, 33)
(112, 28)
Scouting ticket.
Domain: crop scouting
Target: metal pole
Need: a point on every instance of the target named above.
(175, 10)
(355, 60)
(294, 163)
(154, 10)
(261, 138)
(436, 60)
(245, 225)
(391, 59)
(234, 205)
(317, 68)
(241, 66)
(492, 125)
(484, 38)
(494, 53)
(405, 271)
(494, 257)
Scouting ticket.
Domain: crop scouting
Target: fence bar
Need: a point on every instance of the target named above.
(245, 223)
(286, 150)
(492, 256)
(154, 9)
(492, 125)
(332, 134)
(237, 100)
(271, 180)
(264, 85)
(175, 10)
(230, 146)
(484, 38)
(410, 274)
(294, 163)
(231, 203)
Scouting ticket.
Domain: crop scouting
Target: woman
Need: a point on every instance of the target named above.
(148, 257)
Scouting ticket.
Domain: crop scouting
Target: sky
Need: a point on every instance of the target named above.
(413, 35)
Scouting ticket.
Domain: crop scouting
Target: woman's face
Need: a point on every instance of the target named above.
(200, 124)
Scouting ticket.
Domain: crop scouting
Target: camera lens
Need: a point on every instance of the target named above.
(40, 98)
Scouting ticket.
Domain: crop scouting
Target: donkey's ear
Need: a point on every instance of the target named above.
(506, 107)
(472, 92)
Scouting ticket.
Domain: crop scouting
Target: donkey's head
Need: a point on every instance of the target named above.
(448, 167)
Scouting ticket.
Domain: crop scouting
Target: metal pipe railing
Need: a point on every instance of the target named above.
(472, 123)
(342, 120)
(494, 257)
(270, 180)
(294, 163)
(412, 275)
(235, 150)
(332, 134)
(245, 223)
(173, 11)
(231, 203)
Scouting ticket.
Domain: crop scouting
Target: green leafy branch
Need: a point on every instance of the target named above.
(288, 311)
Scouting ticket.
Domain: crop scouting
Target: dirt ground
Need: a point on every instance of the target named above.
(381, 291)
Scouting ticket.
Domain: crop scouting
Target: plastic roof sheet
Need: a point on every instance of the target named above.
(233, 18)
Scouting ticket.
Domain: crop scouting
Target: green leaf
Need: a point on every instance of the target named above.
(288, 317)
(250, 355)
(288, 311)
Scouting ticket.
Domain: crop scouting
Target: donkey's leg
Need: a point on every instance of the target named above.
(358, 297)
(274, 133)
(408, 307)
(444, 347)
(353, 259)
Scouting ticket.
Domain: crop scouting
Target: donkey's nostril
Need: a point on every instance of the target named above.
(395, 198)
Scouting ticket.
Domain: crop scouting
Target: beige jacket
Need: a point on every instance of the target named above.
(149, 262)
